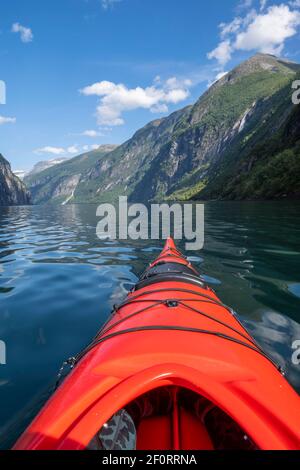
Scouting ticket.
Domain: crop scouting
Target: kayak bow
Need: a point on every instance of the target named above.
(180, 367)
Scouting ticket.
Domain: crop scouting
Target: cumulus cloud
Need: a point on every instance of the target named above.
(25, 33)
(70, 151)
(91, 133)
(222, 53)
(58, 151)
(88, 148)
(7, 120)
(73, 149)
(265, 32)
(268, 32)
(115, 99)
(230, 28)
(51, 150)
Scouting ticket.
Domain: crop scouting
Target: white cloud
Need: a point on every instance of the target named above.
(51, 150)
(115, 99)
(94, 146)
(88, 148)
(230, 28)
(106, 4)
(7, 120)
(70, 151)
(264, 32)
(73, 149)
(159, 109)
(91, 133)
(222, 53)
(25, 33)
(268, 32)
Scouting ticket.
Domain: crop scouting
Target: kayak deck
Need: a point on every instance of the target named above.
(172, 357)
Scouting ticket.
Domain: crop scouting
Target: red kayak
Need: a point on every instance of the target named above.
(173, 368)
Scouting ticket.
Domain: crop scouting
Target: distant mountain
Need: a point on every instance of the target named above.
(60, 182)
(208, 150)
(44, 165)
(12, 190)
(20, 174)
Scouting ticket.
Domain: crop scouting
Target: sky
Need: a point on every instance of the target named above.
(82, 73)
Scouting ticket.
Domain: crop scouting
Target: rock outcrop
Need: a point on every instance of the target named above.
(12, 190)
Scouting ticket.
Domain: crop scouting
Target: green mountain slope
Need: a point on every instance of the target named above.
(58, 184)
(222, 125)
(269, 170)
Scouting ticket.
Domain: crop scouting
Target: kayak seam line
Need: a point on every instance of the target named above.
(158, 291)
(189, 291)
(173, 328)
(163, 302)
(217, 302)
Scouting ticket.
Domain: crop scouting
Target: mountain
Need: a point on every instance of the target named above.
(267, 166)
(224, 123)
(44, 165)
(210, 149)
(20, 174)
(12, 190)
(59, 183)
(180, 157)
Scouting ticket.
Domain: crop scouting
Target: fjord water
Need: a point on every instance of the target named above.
(59, 282)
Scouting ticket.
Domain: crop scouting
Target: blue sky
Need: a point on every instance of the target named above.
(80, 73)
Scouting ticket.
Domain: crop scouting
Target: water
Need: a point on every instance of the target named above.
(58, 283)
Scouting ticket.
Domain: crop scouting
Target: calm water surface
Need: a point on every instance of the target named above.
(58, 283)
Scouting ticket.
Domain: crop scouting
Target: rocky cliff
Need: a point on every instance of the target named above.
(12, 190)
(60, 183)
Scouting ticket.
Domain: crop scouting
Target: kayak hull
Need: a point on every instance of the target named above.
(170, 334)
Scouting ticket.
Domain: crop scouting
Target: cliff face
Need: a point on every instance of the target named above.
(60, 183)
(12, 190)
(269, 169)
